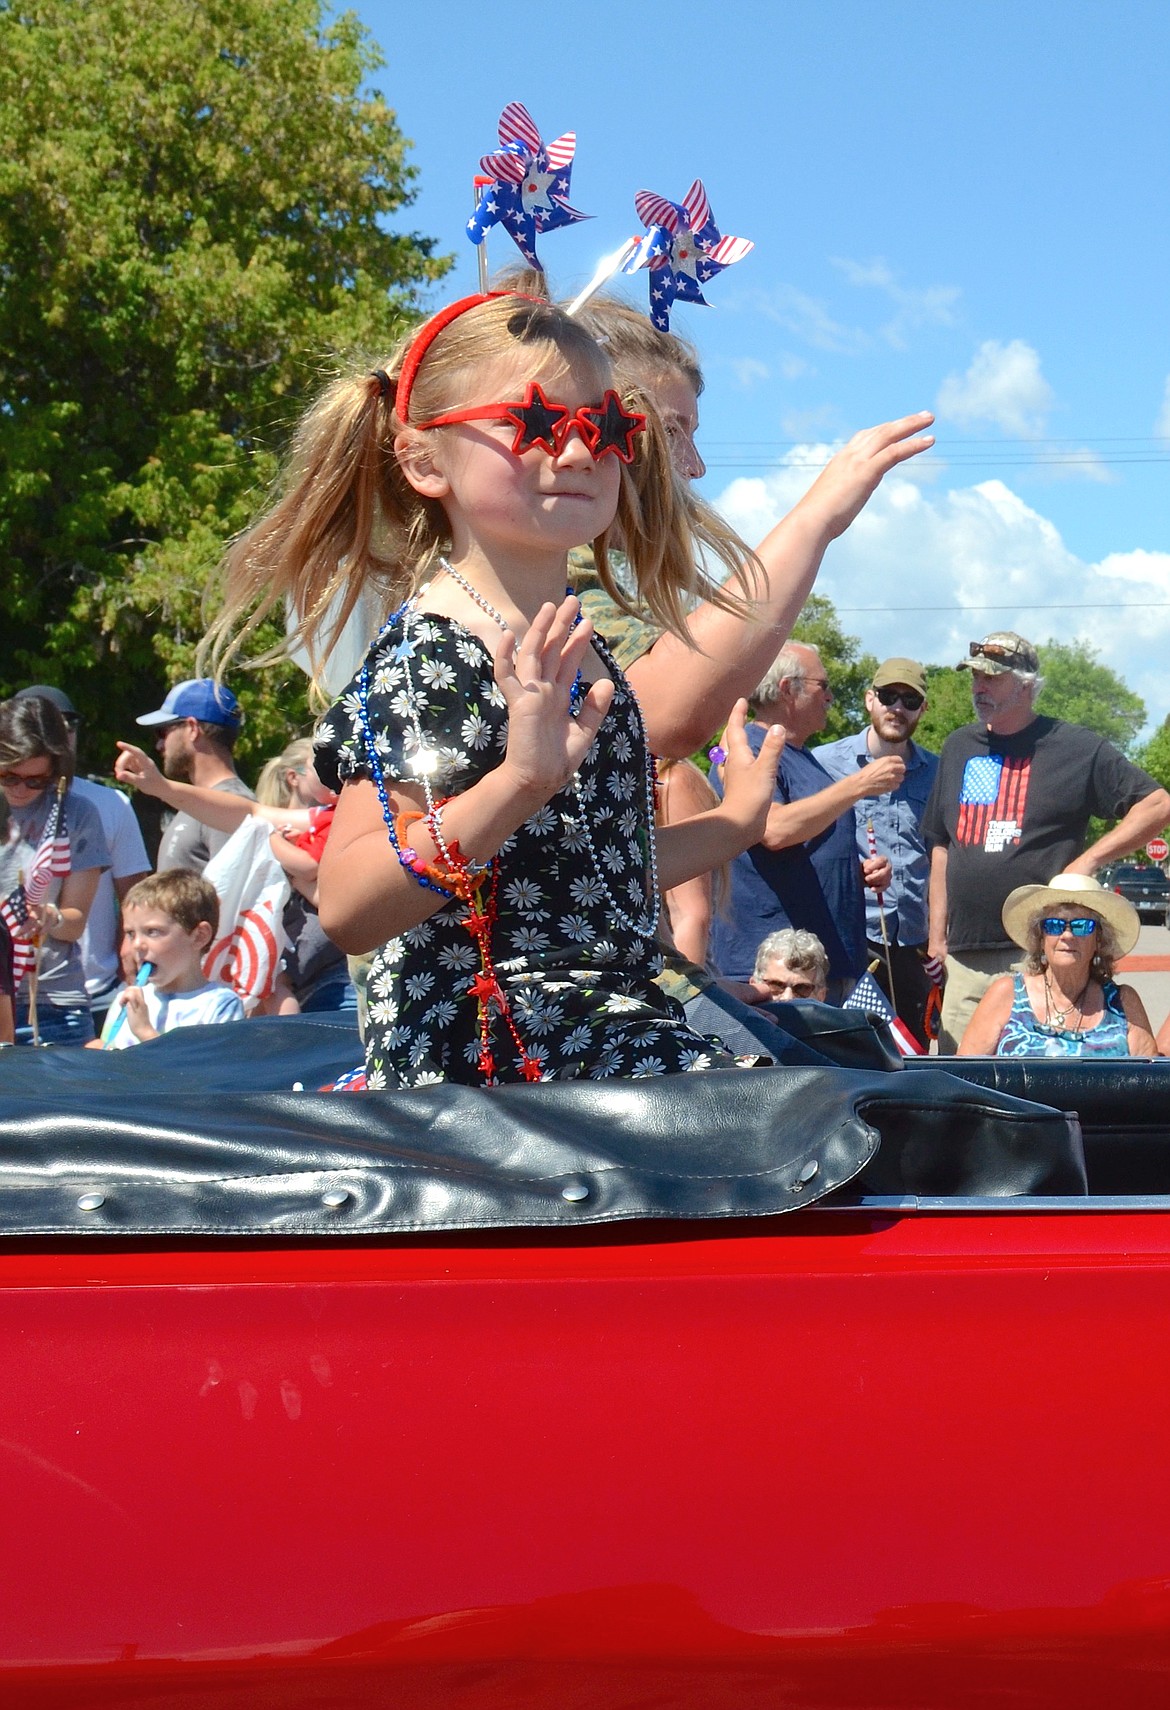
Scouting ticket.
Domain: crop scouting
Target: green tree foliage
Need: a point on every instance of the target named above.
(1154, 756)
(948, 705)
(1081, 690)
(195, 207)
(849, 670)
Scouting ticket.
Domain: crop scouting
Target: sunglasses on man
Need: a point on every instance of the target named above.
(910, 698)
(1083, 926)
(1010, 656)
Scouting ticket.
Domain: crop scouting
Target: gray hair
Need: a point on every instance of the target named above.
(802, 951)
(787, 663)
(1104, 955)
(1030, 680)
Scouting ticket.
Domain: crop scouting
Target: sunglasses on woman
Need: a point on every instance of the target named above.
(38, 782)
(910, 698)
(1082, 927)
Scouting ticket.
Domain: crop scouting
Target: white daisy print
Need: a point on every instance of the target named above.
(458, 956)
(476, 731)
(573, 837)
(693, 1061)
(530, 939)
(541, 822)
(645, 1066)
(578, 928)
(418, 985)
(525, 896)
(586, 890)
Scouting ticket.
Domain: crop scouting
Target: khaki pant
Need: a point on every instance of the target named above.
(968, 977)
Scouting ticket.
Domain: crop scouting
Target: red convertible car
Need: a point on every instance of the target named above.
(812, 1386)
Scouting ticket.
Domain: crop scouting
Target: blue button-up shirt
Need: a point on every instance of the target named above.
(897, 823)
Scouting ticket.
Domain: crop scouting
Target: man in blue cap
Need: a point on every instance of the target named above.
(196, 727)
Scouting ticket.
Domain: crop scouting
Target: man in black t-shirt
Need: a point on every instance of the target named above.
(1011, 806)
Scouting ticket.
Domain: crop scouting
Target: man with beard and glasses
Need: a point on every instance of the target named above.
(196, 727)
(895, 702)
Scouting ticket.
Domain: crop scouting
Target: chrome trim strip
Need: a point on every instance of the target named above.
(1062, 1203)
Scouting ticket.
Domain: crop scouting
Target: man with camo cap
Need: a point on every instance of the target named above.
(1011, 806)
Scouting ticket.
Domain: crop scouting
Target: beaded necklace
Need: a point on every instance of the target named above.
(647, 926)
(458, 876)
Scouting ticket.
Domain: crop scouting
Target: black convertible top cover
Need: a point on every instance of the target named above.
(201, 1134)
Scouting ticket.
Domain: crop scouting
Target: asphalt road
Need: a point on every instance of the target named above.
(1152, 985)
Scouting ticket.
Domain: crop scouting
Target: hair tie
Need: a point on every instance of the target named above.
(385, 384)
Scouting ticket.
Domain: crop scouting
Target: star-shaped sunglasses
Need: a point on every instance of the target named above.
(606, 428)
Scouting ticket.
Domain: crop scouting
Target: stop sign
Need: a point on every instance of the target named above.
(1157, 848)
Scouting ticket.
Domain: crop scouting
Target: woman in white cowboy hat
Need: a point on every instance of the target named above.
(1063, 1002)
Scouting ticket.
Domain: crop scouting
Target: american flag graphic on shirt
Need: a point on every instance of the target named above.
(992, 798)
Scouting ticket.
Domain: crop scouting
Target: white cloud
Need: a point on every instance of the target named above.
(1003, 386)
(749, 370)
(924, 573)
(809, 319)
(917, 306)
(805, 424)
(1162, 425)
(795, 368)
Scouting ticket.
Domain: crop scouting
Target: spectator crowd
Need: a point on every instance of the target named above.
(953, 894)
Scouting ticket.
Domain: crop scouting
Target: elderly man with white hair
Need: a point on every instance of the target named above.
(1011, 806)
(805, 871)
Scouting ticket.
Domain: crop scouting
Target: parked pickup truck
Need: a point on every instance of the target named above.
(812, 1386)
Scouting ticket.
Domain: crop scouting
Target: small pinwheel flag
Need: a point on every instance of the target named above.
(529, 184)
(682, 248)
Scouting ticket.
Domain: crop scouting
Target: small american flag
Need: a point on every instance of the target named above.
(14, 914)
(52, 860)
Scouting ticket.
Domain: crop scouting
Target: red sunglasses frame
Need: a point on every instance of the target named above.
(540, 421)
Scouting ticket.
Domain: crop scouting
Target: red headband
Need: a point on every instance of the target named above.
(429, 332)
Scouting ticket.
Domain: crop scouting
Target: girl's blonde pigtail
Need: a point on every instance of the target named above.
(342, 521)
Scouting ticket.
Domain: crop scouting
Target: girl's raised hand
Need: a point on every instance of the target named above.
(546, 744)
(749, 779)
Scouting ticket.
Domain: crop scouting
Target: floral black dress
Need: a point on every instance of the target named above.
(574, 942)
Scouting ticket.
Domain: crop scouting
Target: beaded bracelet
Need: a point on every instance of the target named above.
(426, 872)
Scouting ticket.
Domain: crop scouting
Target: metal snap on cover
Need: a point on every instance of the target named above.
(335, 1196)
(91, 1201)
(574, 1192)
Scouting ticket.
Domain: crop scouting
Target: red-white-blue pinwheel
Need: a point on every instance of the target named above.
(530, 182)
(682, 248)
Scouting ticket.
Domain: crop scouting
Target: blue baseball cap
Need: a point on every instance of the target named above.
(200, 697)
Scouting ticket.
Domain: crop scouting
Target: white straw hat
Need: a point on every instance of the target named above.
(1027, 903)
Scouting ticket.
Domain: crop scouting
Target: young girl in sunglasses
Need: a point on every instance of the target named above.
(495, 827)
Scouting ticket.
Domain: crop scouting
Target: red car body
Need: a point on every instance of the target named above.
(894, 1455)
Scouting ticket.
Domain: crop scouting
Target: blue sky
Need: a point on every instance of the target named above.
(955, 207)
